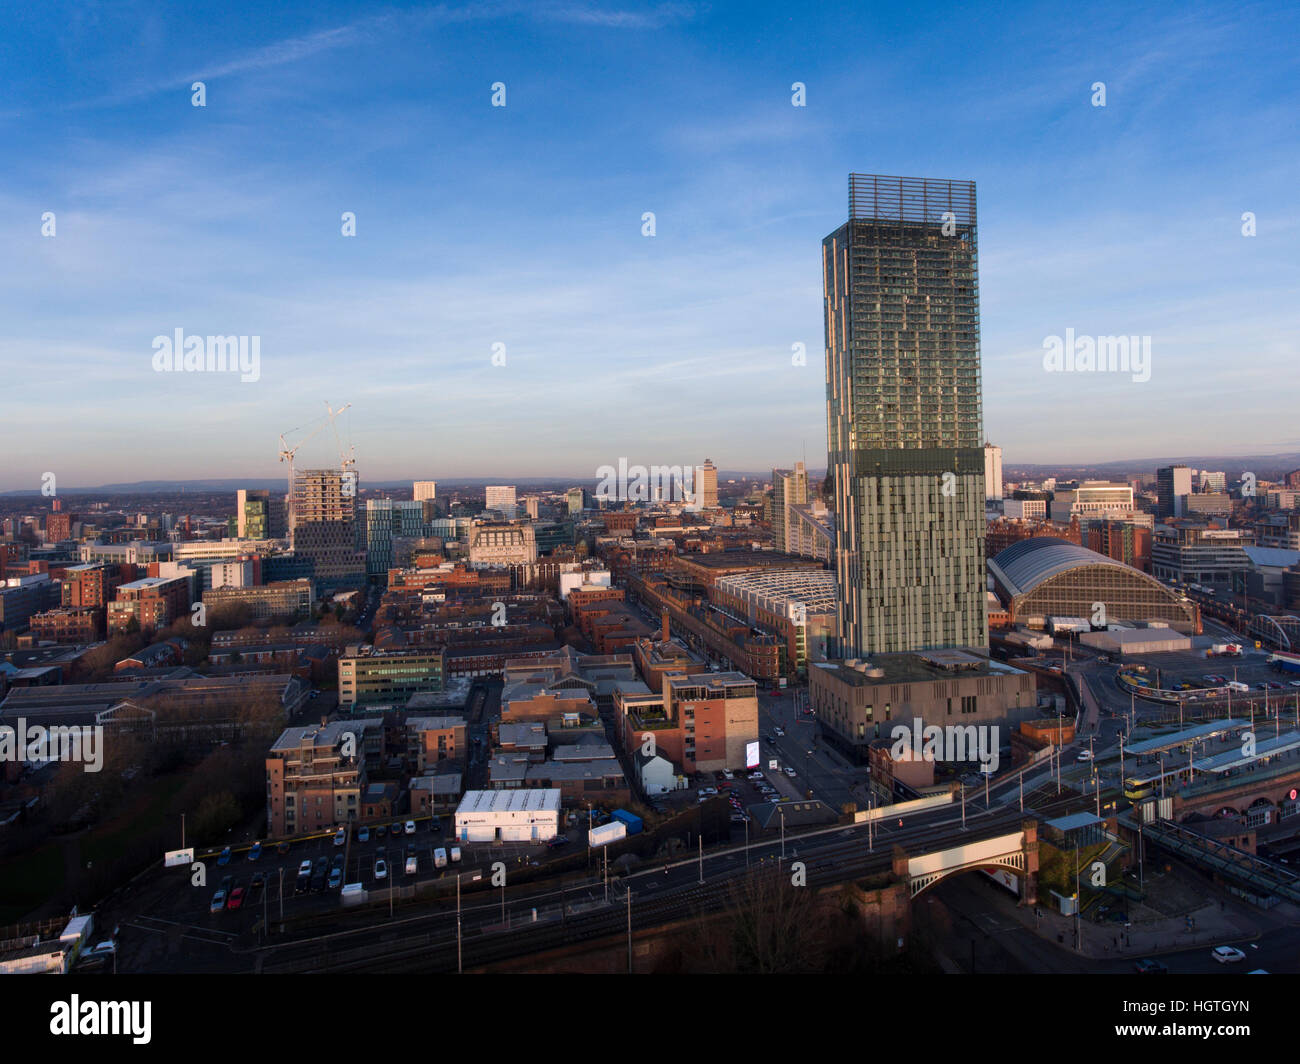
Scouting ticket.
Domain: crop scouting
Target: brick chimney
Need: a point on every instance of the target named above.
(664, 614)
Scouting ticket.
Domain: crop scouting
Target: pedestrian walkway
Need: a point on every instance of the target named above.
(1217, 922)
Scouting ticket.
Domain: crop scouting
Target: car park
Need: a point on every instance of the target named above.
(1227, 954)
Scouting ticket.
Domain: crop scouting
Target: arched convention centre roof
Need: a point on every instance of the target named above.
(1024, 565)
(1047, 577)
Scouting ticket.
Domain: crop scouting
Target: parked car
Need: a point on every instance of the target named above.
(255, 852)
(381, 831)
(780, 732)
(336, 878)
(304, 869)
(396, 828)
(282, 848)
(412, 866)
(224, 858)
(218, 902)
(381, 868)
(259, 880)
(363, 835)
(556, 842)
(1227, 954)
(340, 837)
(790, 772)
(439, 858)
(236, 899)
(1146, 966)
(455, 855)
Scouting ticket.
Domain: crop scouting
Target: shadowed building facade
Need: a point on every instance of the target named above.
(904, 425)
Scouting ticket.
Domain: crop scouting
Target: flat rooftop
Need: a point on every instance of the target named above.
(918, 667)
(528, 800)
(1187, 735)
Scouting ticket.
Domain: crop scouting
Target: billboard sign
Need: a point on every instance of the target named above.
(751, 755)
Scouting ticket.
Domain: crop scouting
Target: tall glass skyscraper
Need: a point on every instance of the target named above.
(904, 429)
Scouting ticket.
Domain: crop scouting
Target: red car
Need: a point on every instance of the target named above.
(236, 898)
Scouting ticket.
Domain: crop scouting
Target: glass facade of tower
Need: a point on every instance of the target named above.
(904, 429)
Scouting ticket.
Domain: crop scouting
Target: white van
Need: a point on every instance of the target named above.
(440, 858)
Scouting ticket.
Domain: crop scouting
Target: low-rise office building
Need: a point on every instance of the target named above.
(526, 815)
(315, 776)
(859, 701)
(368, 675)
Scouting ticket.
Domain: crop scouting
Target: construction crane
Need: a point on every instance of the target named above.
(287, 454)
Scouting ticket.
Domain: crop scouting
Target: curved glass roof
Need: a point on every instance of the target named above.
(1026, 564)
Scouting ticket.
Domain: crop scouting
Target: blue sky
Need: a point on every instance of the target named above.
(522, 225)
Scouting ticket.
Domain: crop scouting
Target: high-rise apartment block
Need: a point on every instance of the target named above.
(789, 488)
(325, 531)
(502, 499)
(992, 472)
(259, 515)
(904, 427)
(426, 489)
(1173, 485)
(706, 485)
